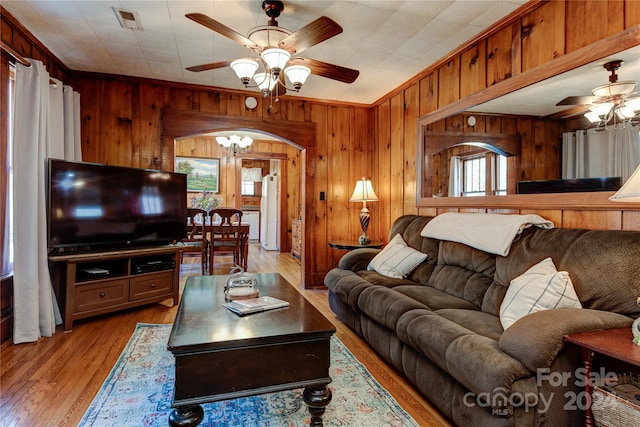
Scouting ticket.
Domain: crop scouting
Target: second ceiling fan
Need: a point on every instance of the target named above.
(275, 48)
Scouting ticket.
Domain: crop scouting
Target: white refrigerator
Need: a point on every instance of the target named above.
(269, 213)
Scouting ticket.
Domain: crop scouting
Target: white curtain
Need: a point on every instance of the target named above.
(252, 174)
(454, 177)
(614, 151)
(46, 124)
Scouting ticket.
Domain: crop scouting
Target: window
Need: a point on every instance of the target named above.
(7, 241)
(483, 175)
(248, 188)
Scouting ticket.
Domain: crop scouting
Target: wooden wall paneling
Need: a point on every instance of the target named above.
(318, 228)
(593, 220)
(503, 54)
(146, 129)
(411, 111)
(383, 152)
(543, 34)
(631, 13)
(553, 215)
(116, 124)
(210, 101)
(596, 19)
(90, 116)
(428, 94)
(397, 156)
(361, 165)
(181, 99)
(449, 82)
(473, 69)
(341, 185)
(631, 220)
(527, 157)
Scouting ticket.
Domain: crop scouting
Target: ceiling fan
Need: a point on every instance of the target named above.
(274, 47)
(615, 99)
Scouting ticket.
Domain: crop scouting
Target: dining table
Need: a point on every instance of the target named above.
(215, 227)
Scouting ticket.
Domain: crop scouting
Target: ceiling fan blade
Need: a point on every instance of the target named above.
(330, 71)
(210, 66)
(222, 29)
(311, 34)
(580, 100)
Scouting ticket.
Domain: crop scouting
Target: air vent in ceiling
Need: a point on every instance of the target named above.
(128, 19)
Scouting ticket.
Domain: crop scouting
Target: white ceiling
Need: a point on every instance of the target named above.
(388, 41)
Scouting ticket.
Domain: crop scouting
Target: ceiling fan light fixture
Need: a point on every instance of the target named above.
(297, 75)
(613, 89)
(245, 69)
(276, 59)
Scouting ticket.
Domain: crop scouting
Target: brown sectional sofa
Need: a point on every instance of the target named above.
(440, 326)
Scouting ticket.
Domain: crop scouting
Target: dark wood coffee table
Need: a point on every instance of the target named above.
(220, 355)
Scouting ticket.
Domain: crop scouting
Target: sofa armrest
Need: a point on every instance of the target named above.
(537, 338)
(357, 259)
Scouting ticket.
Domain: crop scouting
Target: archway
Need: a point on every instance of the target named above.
(178, 124)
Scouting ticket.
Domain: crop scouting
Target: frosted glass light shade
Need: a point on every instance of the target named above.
(276, 59)
(630, 191)
(245, 69)
(240, 141)
(624, 112)
(602, 109)
(264, 81)
(633, 103)
(592, 117)
(297, 75)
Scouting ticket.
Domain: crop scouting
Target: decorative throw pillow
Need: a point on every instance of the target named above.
(397, 259)
(541, 287)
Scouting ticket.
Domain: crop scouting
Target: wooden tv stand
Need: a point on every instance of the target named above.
(94, 283)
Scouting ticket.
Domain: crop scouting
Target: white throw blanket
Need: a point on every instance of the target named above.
(491, 233)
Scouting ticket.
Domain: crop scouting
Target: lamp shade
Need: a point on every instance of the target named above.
(264, 82)
(363, 192)
(276, 59)
(245, 69)
(297, 75)
(630, 191)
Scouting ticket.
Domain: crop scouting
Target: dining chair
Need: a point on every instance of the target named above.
(196, 241)
(226, 236)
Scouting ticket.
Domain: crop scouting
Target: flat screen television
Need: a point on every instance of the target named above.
(93, 206)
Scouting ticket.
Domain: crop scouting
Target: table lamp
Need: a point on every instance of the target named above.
(630, 191)
(364, 193)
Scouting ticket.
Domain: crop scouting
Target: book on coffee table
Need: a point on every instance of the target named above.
(255, 305)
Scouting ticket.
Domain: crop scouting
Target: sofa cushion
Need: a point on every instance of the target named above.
(396, 259)
(434, 299)
(479, 322)
(541, 287)
(611, 285)
(463, 272)
(385, 306)
(474, 360)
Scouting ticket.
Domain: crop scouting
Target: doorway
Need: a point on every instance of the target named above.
(178, 124)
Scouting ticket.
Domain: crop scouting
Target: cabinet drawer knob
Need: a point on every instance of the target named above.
(153, 285)
(102, 294)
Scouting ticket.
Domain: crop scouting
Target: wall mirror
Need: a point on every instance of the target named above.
(522, 111)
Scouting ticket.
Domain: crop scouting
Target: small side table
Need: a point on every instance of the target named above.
(350, 245)
(614, 343)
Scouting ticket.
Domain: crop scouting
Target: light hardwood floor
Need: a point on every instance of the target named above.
(52, 382)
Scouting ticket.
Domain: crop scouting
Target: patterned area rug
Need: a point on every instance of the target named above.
(139, 389)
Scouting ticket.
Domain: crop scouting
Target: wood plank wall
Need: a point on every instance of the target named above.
(545, 32)
(122, 116)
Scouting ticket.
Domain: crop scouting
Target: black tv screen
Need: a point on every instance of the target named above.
(91, 205)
